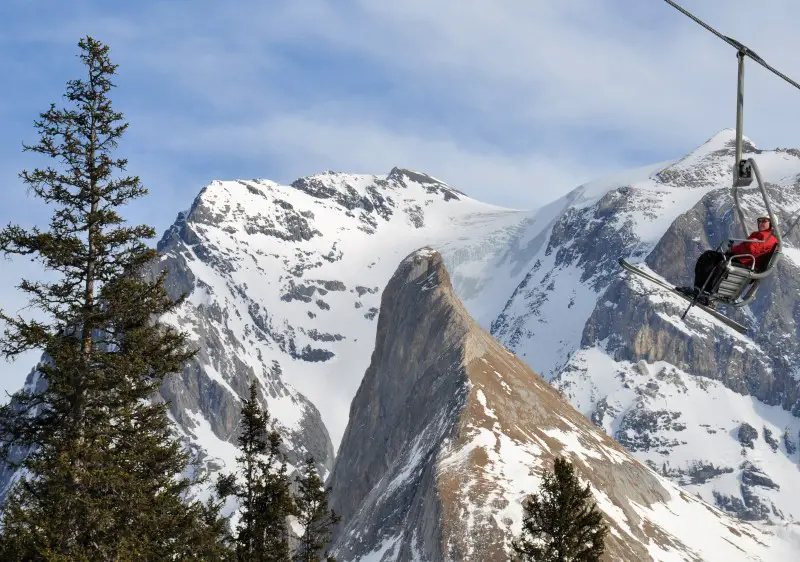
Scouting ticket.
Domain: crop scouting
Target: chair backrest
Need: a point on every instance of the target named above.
(765, 260)
(732, 283)
(769, 259)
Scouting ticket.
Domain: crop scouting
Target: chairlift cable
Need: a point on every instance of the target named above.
(735, 44)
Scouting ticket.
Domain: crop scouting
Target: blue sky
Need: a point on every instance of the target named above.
(512, 101)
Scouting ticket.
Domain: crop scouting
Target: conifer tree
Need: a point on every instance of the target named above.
(103, 478)
(263, 488)
(561, 523)
(275, 504)
(313, 514)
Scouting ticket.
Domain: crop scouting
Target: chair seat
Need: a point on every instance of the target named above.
(733, 283)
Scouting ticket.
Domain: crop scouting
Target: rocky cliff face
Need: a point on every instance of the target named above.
(205, 397)
(677, 393)
(449, 431)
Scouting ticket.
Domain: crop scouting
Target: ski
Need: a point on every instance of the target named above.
(718, 315)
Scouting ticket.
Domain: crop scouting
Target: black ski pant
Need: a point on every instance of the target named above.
(710, 265)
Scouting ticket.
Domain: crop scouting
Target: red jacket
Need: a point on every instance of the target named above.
(760, 250)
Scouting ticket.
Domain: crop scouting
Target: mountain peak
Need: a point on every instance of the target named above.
(424, 265)
(400, 174)
(707, 165)
(726, 138)
(266, 206)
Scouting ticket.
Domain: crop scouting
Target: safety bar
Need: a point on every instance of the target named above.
(751, 256)
(746, 240)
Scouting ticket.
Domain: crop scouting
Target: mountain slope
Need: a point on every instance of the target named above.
(711, 409)
(285, 285)
(620, 216)
(459, 431)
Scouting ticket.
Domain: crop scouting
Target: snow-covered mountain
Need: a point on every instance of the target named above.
(285, 284)
(449, 432)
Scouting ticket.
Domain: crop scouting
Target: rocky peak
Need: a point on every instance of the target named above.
(264, 206)
(397, 174)
(402, 176)
(395, 378)
(351, 191)
(725, 140)
(449, 431)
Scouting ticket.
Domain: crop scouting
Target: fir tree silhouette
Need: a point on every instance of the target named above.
(263, 489)
(102, 480)
(561, 523)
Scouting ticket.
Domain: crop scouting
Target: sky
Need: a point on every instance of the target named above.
(514, 102)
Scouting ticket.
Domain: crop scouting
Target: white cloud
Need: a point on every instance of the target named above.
(513, 101)
(576, 63)
(483, 172)
(600, 79)
(588, 86)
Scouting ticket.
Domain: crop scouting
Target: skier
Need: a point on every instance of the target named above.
(711, 264)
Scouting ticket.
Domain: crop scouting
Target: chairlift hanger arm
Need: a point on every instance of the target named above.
(776, 253)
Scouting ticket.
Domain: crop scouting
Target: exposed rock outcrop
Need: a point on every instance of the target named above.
(449, 431)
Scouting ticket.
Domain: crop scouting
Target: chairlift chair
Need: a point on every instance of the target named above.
(738, 283)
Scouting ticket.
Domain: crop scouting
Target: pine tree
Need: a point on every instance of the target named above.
(103, 480)
(561, 524)
(314, 516)
(263, 490)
